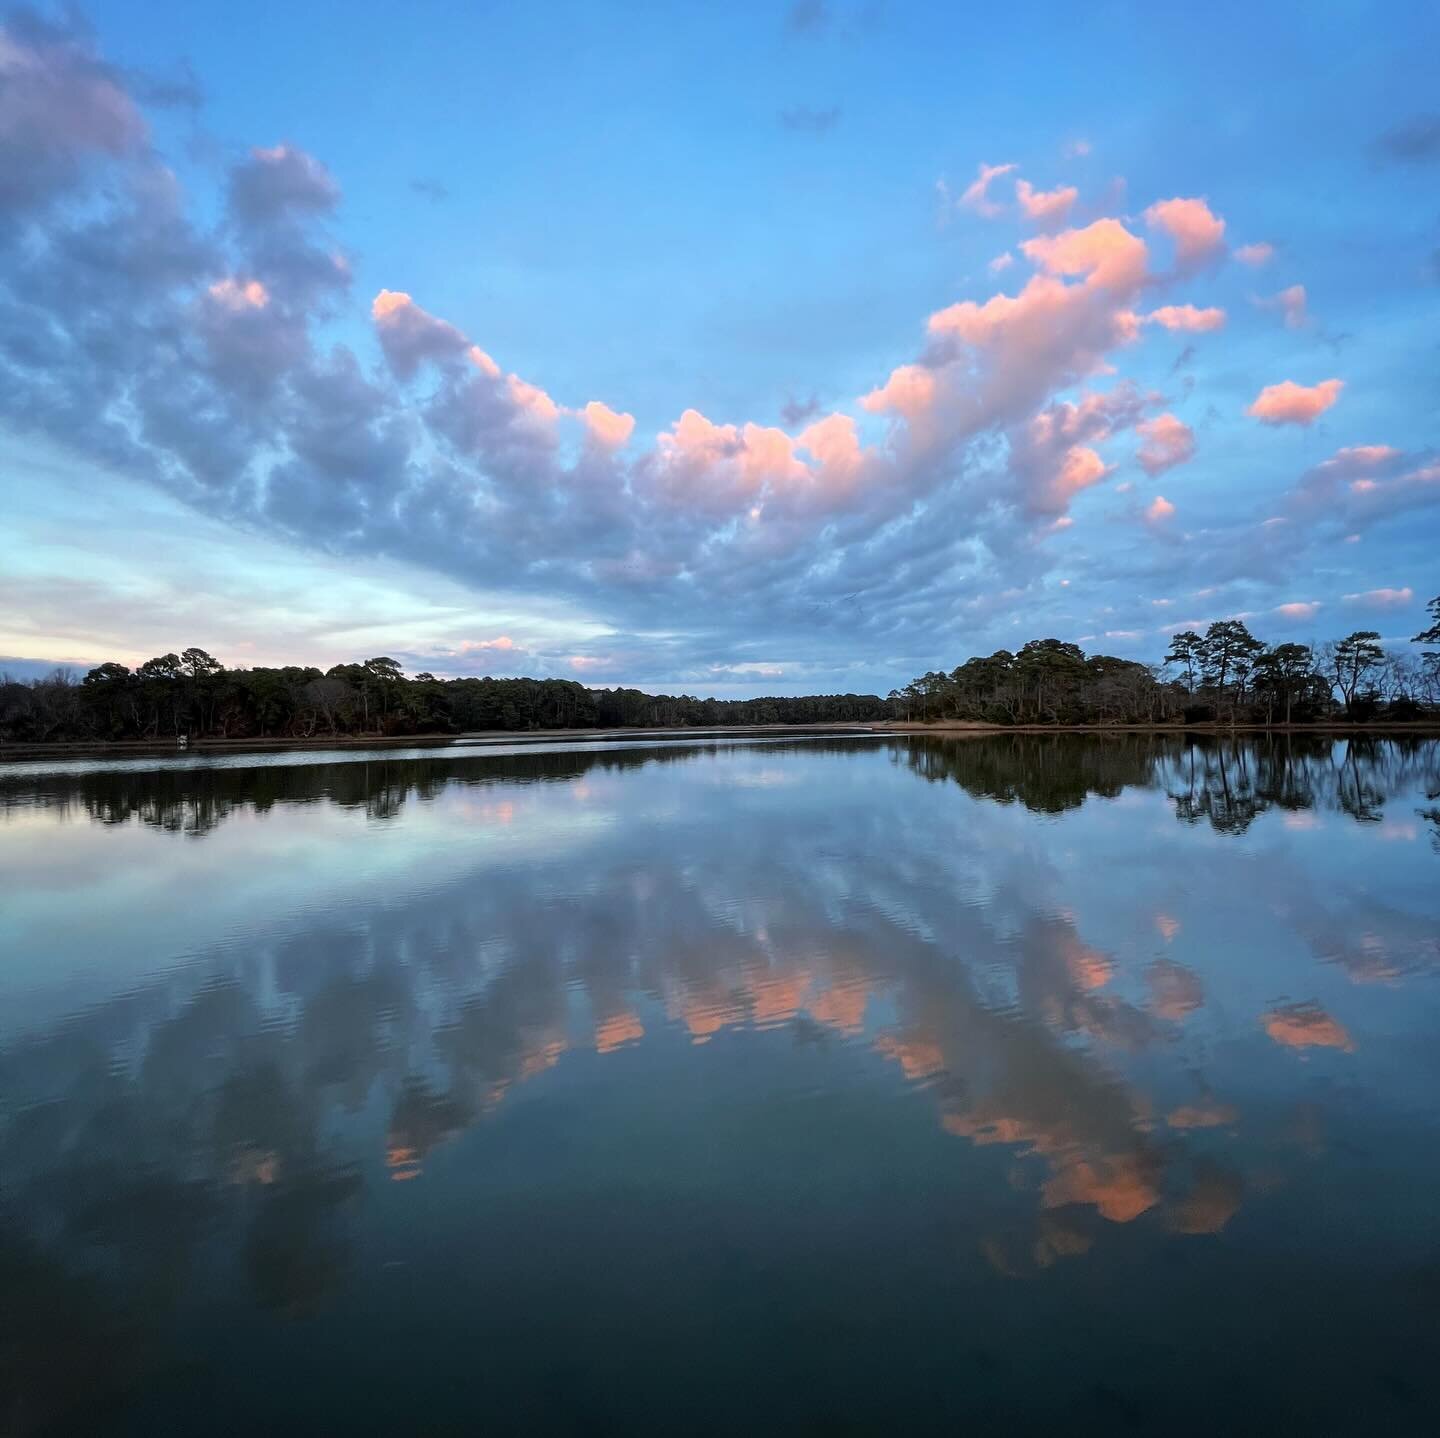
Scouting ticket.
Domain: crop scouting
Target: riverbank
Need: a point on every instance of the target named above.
(1424, 728)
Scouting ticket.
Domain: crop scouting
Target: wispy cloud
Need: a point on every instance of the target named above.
(803, 119)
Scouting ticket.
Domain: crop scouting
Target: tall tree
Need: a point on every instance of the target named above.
(1186, 650)
(1353, 660)
(1282, 674)
(1432, 634)
(1227, 653)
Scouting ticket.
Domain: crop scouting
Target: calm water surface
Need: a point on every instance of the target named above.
(1004, 1084)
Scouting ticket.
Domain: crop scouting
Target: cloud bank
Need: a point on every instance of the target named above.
(202, 355)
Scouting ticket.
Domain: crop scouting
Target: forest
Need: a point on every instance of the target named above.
(1226, 675)
(194, 695)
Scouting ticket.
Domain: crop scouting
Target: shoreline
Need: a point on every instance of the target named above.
(490, 738)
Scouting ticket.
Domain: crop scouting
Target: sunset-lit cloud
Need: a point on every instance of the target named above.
(910, 391)
(949, 464)
(1256, 254)
(1048, 208)
(1187, 317)
(1199, 235)
(608, 428)
(1168, 441)
(1382, 598)
(1304, 1026)
(1291, 303)
(977, 194)
(1291, 403)
(240, 295)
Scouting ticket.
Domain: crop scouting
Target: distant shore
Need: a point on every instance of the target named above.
(485, 738)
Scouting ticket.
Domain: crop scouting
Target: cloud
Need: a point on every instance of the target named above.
(1076, 149)
(1051, 456)
(1001, 262)
(1198, 234)
(1159, 509)
(1256, 254)
(1291, 403)
(606, 427)
(61, 108)
(1361, 485)
(909, 391)
(1383, 598)
(431, 190)
(1187, 318)
(1047, 208)
(1297, 610)
(802, 119)
(1291, 302)
(977, 194)
(411, 336)
(794, 412)
(239, 295)
(1303, 1026)
(219, 358)
(808, 17)
(1168, 441)
(1413, 142)
(279, 184)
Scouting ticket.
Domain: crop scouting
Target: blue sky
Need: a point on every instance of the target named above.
(214, 430)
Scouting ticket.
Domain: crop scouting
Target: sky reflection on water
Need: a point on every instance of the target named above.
(723, 1085)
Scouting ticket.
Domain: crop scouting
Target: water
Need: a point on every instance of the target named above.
(1004, 1084)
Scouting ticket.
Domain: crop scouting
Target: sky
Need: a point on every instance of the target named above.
(758, 348)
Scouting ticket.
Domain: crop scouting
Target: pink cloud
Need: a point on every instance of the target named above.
(1048, 208)
(409, 335)
(1363, 455)
(588, 663)
(910, 391)
(503, 642)
(835, 443)
(482, 362)
(1291, 403)
(1298, 610)
(1052, 334)
(718, 468)
(1104, 252)
(976, 196)
(1080, 468)
(531, 402)
(1199, 235)
(1255, 255)
(1291, 303)
(1160, 509)
(1050, 457)
(1168, 441)
(239, 296)
(1361, 484)
(1383, 598)
(1001, 262)
(607, 428)
(1186, 318)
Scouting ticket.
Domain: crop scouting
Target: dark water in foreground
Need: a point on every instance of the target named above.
(1003, 1084)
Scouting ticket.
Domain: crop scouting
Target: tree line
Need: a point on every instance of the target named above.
(192, 694)
(1225, 675)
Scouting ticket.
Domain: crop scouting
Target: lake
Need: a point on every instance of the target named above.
(1019, 1083)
